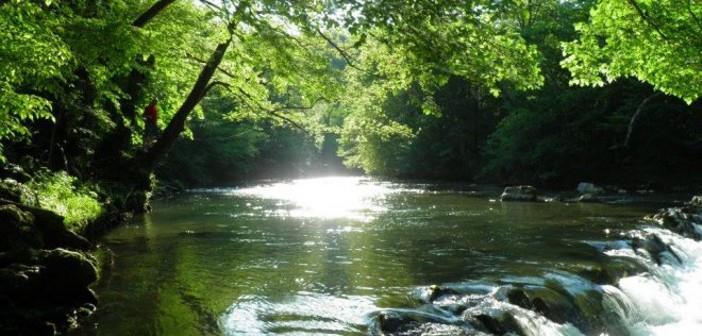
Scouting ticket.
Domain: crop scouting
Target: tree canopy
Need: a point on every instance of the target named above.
(658, 42)
(413, 87)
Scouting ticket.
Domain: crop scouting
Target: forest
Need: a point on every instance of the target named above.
(109, 106)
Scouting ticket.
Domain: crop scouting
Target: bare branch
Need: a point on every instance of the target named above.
(635, 117)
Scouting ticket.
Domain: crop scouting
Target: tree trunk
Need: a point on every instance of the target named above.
(635, 117)
(133, 87)
(177, 123)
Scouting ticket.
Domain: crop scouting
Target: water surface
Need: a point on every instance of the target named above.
(319, 256)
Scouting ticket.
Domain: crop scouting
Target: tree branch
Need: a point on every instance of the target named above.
(202, 61)
(693, 15)
(212, 5)
(647, 19)
(150, 13)
(635, 117)
(341, 51)
(276, 112)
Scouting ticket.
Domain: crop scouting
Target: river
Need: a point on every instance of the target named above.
(326, 256)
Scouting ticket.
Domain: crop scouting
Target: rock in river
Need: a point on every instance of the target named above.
(520, 194)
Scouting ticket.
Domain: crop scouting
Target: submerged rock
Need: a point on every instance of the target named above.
(587, 198)
(655, 247)
(417, 322)
(519, 194)
(501, 323)
(434, 292)
(589, 188)
(390, 321)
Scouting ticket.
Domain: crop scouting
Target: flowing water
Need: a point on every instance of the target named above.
(351, 255)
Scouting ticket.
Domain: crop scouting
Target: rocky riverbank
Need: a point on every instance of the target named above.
(45, 272)
(46, 269)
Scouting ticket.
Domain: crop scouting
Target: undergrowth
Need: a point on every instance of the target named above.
(63, 194)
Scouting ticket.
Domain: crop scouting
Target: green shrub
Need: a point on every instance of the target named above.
(62, 194)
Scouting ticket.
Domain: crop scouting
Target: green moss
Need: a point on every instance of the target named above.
(61, 193)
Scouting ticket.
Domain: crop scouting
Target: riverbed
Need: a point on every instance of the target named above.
(324, 256)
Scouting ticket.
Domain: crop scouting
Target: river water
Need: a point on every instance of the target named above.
(326, 256)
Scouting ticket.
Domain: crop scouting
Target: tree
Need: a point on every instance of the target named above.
(659, 42)
(31, 58)
(272, 59)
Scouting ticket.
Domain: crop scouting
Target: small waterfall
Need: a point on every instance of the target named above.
(650, 284)
(667, 300)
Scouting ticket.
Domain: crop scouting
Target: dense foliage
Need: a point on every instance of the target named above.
(658, 42)
(622, 132)
(452, 89)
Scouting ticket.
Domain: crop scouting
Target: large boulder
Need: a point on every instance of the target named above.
(684, 220)
(589, 188)
(23, 226)
(17, 229)
(696, 201)
(54, 231)
(519, 194)
(67, 270)
(11, 190)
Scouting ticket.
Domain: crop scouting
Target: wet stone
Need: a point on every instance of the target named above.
(519, 194)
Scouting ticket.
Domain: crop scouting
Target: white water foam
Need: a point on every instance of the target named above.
(667, 300)
(531, 323)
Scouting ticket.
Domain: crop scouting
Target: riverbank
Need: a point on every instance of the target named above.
(47, 259)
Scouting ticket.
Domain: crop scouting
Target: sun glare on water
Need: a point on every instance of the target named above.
(327, 197)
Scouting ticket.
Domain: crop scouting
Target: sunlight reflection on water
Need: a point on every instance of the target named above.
(304, 314)
(356, 198)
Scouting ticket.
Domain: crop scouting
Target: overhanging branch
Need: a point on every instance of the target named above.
(341, 51)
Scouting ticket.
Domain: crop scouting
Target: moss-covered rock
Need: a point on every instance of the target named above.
(43, 284)
(11, 190)
(67, 270)
(53, 230)
(17, 229)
